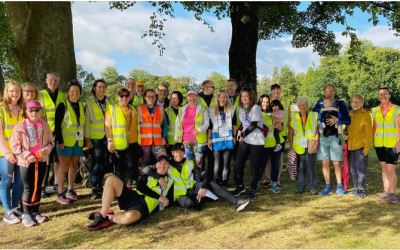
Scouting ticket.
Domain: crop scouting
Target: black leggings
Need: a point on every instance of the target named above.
(256, 159)
(126, 164)
(32, 180)
(225, 155)
(189, 200)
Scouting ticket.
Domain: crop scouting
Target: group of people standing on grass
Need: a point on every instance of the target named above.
(157, 145)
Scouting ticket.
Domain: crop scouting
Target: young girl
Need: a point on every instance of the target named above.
(31, 142)
(277, 108)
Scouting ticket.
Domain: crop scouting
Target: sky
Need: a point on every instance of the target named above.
(108, 37)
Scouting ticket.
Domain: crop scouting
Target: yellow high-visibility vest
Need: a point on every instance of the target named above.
(198, 122)
(307, 132)
(270, 139)
(183, 180)
(8, 125)
(70, 126)
(118, 127)
(171, 125)
(152, 183)
(50, 107)
(96, 122)
(387, 129)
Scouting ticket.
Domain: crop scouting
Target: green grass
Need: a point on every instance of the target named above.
(283, 220)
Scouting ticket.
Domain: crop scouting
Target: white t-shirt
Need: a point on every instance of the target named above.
(256, 137)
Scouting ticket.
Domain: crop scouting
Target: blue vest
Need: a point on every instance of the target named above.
(221, 143)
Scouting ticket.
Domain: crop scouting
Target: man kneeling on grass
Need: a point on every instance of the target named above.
(136, 203)
(187, 192)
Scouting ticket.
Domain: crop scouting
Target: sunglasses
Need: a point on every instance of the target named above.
(122, 96)
(33, 110)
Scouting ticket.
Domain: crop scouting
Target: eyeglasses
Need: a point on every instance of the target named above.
(33, 110)
(14, 91)
(122, 96)
(150, 96)
(29, 91)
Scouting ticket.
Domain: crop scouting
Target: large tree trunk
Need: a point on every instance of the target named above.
(243, 49)
(44, 40)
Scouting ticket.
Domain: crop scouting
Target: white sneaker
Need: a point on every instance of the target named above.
(27, 220)
(277, 147)
(10, 217)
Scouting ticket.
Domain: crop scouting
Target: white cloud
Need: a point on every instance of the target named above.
(93, 62)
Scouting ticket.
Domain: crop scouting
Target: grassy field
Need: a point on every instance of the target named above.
(283, 220)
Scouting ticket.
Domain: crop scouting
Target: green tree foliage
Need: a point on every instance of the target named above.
(111, 76)
(383, 70)
(218, 79)
(8, 67)
(112, 90)
(289, 85)
(264, 85)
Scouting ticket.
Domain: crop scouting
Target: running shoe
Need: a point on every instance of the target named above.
(393, 199)
(72, 195)
(252, 194)
(384, 197)
(18, 213)
(275, 189)
(39, 218)
(91, 215)
(239, 190)
(63, 200)
(340, 190)
(242, 204)
(326, 191)
(27, 220)
(99, 223)
(267, 183)
(10, 217)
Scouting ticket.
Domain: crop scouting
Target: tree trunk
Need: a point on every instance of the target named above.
(44, 40)
(2, 83)
(243, 49)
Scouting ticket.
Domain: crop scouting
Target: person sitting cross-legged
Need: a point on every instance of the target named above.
(187, 192)
(136, 203)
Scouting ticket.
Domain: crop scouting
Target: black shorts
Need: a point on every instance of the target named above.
(131, 200)
(386, 155)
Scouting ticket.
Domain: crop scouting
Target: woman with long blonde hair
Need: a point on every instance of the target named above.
(221, 135)
(11, 108)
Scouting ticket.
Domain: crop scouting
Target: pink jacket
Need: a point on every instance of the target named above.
(20, 143)
(278, 116)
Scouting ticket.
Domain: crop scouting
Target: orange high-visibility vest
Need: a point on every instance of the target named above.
(150, 127)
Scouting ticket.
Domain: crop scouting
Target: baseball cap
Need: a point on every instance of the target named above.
(163, 157)
(178, 146)
(33, 104)
(275, 85)
(123, 90)
(139, 83)
(192, 92)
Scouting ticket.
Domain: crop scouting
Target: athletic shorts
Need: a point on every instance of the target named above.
(130, 200)
(70, 151)
(330, 148)
(386, 155)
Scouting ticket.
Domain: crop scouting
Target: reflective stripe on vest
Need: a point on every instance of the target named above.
(308, 132)
(269, 141)
(150, 127)
(152, 183)
(69, 125)
(182, 180)
(50, 107)
(387, 129)
(8, 126)
(285, 104)
(120, 137)
(237, 105)
(198, 122)
(171, 125)
(221, 143)
(96, 122)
